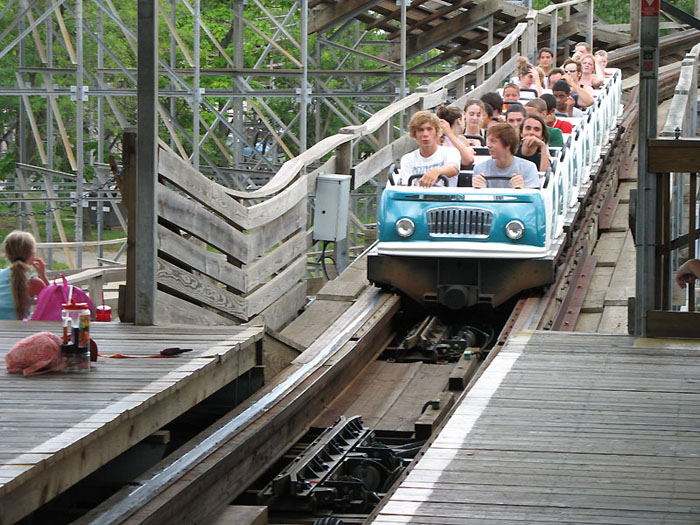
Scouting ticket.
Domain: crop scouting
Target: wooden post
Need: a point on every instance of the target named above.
(530, 41)
(553, 38)
(460, 88)
(634, 20)
(127, 187)
(146, 165)
(589, 29)
(489, 43)
(385, 136)
(343, 165)
(480, 75)
(662, 290)
(692, 197)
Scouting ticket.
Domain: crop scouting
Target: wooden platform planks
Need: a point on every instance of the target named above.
(604, 308)
(55, 429)
(567, 428)
(348, 285)
(623, 278)
(608, 248)
(595, 297)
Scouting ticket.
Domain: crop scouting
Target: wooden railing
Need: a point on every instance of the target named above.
(675, 158)
(231, 256)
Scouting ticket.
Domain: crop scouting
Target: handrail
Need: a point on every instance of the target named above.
(553, 7)
(382, 116)
(684, 97)
(74, 244)
(293, 167)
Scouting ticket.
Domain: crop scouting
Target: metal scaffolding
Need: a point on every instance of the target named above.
(241, 87)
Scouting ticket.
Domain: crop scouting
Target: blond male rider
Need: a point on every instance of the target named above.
(431, 159)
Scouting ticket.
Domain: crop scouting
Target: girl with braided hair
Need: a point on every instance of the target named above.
(23, 279)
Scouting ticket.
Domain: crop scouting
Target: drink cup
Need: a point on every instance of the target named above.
(104, 313)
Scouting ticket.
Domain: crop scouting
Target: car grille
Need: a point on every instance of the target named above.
(459, 222)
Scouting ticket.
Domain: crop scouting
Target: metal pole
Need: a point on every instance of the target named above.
(146, 164)
(22, 132)
(647, 277)
(357, 81)
(238, 62)
(48, 224)
(173, 64)
(80, 98)
(100, 137)
(197, 94)
(318, 102)
(402, 88)
(304, 99)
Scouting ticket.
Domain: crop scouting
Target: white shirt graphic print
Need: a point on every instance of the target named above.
(414, 163)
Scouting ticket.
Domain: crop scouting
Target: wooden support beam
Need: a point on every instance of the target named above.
(339, 13)
(674, 155)
(128, 191)
(433, 416)
(673, 324)
(451, 29)
(393, 15)
(146, 165)
(463, 372)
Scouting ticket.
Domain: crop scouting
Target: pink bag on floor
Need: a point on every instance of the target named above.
(36, 354)
(50, 301)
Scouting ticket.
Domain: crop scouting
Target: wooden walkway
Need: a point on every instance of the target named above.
(57, 428)
(567, 428)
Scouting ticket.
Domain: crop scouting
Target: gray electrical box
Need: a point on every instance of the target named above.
(331, 211)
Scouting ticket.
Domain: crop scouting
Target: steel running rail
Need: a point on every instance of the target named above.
(361, 312)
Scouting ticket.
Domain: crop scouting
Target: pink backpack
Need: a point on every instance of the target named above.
(50, 301)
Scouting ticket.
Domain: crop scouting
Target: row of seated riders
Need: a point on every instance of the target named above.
(517, 135)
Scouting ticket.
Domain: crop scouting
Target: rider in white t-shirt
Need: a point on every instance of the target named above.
(430, 160)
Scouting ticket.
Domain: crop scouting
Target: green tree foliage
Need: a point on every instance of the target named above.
(111, 63)
(618, 11)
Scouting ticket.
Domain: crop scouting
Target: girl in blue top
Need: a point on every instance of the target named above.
(23, 279)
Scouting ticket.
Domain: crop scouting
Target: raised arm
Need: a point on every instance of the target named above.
(459, 142)
(585, 99)
(538, 84)
(599, 69)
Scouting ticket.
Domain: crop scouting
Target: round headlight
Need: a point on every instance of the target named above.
(405, 227)
(515, 230)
